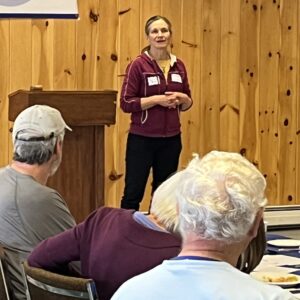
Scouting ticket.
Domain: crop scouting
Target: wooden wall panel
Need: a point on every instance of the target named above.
(4, 90)
(268, 105)
(174, 15)
(87, 42)
(107, 62)
(249, 15)
(20, 54)
(296, 69)
(191, 45)
(242, 59)
(64, 55)
(229, 76)
(129, 29)
(287, 103)
(210, 76)
(106, 46)
(42, 53)
(128, 49)
(20, 58)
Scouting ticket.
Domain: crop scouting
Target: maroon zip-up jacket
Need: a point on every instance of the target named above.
(111, 246)
(144, 78)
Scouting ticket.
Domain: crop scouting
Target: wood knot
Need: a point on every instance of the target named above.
(67, 71)
(94, 17)
(113, 176)
(122, 12)
(243, 151)
(114, 57)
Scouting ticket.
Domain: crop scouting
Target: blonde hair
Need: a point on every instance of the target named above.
(164, 204)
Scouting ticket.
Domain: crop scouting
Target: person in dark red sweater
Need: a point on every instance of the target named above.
(114, 244)
(155, 91)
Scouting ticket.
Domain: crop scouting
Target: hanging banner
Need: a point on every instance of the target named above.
(49, 9)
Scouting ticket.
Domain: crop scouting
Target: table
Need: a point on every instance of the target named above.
(281, 259)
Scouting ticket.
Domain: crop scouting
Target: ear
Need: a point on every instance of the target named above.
(58, 147)
(252, 233)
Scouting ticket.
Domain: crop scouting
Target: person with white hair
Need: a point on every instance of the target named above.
(220, 206)
(29, 210)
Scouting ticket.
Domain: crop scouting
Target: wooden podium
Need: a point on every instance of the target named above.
(80, 178)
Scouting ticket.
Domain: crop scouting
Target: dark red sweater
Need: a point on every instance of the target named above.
(144, 78)
(111, 246)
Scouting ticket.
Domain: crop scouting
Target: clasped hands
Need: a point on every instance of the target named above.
(172, 99)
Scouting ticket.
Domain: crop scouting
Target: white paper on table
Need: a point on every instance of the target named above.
(272, 263)
(296, 295)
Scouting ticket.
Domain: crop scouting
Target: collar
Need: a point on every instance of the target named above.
(173, 58)
(193, 257)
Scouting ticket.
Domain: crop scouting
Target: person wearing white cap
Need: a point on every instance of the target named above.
(29, 210)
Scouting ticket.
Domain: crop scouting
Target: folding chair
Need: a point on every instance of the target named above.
(4, 294)
(254, 253)
(42, 284)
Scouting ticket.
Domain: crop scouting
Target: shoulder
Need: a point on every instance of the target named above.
(256, 287)
(48, 196)
(106, 214)
(4, 170)
(48, 202)
(180, 64)
(179, 61)
(105, 220)
(141, 61)
(271, 292)
(7, 177)
(113, 211)
(144, 283)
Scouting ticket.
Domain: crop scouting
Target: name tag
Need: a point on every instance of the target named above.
(176, 78)
(153, 80)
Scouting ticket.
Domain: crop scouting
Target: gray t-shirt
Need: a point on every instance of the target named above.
(29, 213)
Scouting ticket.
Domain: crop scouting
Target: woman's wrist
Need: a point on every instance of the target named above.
(186, 102)
(184, 98)
(150, 101)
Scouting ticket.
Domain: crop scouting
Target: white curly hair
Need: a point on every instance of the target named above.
(219, 196)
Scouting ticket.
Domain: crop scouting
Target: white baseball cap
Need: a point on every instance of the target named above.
(38, 121)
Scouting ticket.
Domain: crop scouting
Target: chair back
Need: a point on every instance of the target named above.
(42, 284)
(4, 294)
(254, 253)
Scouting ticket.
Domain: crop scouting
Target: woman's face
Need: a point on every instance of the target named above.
(159, 35)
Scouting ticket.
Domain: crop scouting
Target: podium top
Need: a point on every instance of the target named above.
(78, 108)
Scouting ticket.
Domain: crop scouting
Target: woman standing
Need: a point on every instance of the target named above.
(154, 91)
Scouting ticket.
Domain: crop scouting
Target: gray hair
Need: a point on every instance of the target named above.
(35, 150)
(219, 196)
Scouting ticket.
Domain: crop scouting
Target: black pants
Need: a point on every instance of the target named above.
(142, 154)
